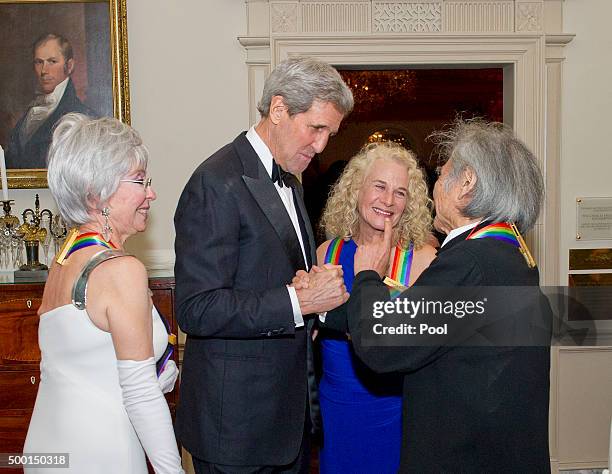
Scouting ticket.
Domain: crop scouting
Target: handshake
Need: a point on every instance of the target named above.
(322, 289)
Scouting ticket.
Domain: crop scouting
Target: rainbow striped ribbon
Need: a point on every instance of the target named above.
(399, 278)
(500, 231)
(87, 240)
(333, 251)
(402, 261)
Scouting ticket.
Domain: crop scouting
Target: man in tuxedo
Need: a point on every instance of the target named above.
(469, 408)
(55, 96)
(242, 233)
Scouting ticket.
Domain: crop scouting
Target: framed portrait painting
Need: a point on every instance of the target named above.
(57, 57)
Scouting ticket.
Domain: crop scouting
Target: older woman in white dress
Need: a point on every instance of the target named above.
(100, 399)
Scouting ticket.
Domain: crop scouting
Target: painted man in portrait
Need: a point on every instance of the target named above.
(55, 96)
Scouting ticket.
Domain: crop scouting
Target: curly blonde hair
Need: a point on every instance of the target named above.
(341, 217)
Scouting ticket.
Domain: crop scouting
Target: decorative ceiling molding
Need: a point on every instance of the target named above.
(250, 41)
(479, 17)
(406, 17)
(392, 17)
(284, 17)
(529, 16)
(560, 39)
(335, 17)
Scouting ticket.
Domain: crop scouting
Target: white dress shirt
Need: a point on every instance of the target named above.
(286, 195)
(41, 108)
(458, 231)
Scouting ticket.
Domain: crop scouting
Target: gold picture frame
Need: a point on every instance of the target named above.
(95, 13)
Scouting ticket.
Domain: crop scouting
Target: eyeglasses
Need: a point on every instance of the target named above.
(144, 182)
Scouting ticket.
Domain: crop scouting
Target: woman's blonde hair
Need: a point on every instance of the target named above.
(341, 217)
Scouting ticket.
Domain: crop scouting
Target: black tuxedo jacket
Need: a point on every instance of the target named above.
(465, 409)
(244, 383)
(33, 153)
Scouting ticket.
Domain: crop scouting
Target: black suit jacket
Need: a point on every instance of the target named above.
(244, 382)
(33, 153)
(466, 409)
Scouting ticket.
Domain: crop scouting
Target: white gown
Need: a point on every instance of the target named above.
(79, 408)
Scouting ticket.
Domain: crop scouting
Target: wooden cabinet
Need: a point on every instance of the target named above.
(20, 356)
(19, 362)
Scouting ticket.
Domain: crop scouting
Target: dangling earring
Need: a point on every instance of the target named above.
(107, 230)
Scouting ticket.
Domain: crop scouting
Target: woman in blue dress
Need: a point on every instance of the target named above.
(361, 410)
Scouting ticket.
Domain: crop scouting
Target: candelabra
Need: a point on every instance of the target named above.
(58, 230)
(33, 234)
(10, 241)
(39, 227)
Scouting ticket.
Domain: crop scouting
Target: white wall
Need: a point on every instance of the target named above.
(586, 167)
(188, 82)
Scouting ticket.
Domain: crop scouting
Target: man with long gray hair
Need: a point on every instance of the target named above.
(242, 233)
(468, 408)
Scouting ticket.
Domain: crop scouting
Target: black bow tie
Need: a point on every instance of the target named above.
(280, 176)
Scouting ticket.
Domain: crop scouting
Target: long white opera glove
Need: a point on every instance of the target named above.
(149, 414)
(168, 377)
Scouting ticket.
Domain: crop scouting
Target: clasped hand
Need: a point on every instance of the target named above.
(322, 289)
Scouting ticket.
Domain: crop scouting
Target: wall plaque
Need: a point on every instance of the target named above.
(594, 218)
(590, 259)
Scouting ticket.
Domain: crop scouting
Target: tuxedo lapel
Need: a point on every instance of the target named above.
(264, 193)
(298, 194)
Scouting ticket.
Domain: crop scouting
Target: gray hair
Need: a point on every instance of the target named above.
(86, 160)
(509, 185)
(301, 81)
